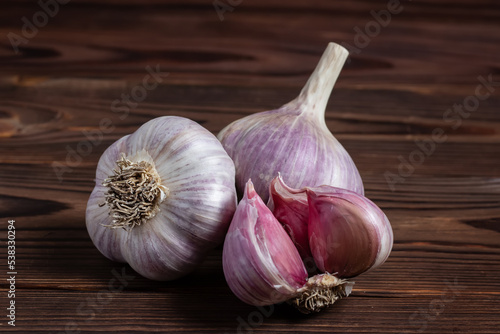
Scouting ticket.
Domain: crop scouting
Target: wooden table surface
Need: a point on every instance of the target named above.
(417, 107)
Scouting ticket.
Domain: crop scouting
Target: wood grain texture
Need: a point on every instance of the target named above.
(443, 275)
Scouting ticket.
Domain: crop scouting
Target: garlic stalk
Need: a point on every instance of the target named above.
(294, 138)
(346, 235)
(163, 197)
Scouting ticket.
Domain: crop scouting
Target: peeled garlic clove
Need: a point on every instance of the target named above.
(163, 197)
(261, 264)
(294, 139)
(348, 233)
(291, 209)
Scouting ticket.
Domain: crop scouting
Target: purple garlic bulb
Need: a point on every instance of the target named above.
(294, 139)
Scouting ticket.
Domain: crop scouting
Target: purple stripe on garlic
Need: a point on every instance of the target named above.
(294, 139)
(171, 206)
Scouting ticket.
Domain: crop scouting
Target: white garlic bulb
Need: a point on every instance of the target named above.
(164, 196)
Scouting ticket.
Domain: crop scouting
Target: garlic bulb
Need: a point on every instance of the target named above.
(164, 196)
(346, 234)
(294, 139)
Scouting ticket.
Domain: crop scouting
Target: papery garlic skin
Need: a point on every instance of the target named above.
(261, 264)
(196, 204)
(294, 139)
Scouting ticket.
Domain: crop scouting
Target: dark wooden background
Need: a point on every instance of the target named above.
(444, 272)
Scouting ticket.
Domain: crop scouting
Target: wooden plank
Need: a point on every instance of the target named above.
(443, 275)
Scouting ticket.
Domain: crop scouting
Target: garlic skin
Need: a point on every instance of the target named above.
(344, 232)
(294, 138)
(185, 182)
(263, 267)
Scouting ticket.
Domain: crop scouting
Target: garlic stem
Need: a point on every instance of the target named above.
(134, 193)
(316, 92)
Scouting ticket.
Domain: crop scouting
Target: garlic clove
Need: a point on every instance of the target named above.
(261, 264)
(348, 233)
(345, 233)
(322, 218)
(291, 209)
(290, 206)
